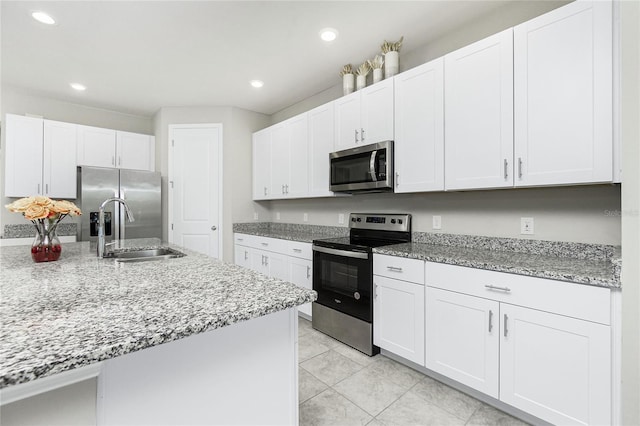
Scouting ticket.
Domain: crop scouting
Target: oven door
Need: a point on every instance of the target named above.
(343, 280)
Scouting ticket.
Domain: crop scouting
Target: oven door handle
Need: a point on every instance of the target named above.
(372, 166)
(345, 253)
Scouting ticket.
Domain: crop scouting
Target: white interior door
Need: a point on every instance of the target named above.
(195, 177)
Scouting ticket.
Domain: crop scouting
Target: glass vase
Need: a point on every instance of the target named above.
(46, 246)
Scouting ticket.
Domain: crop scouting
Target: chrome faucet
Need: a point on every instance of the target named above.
(101, 240)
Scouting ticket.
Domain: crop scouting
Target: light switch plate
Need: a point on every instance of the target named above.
(255, 215)
(340, 218)
(305, 217)
(437, 222)
(277, 215)
(526, 225)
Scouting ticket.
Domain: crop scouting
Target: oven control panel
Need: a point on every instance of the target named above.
(383, 222)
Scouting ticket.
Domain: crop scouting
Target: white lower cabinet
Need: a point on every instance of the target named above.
(398, 317)
(301, 274)
(462, 337)
(285, 260)
(551, 361)
(555, 367)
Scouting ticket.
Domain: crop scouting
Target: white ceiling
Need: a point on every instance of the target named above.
(137, 57)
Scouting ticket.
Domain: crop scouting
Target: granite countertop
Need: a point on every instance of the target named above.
(582, 263)
(597, 272)
(79, 310)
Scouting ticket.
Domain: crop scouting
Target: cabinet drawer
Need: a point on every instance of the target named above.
(575, 300)
(399, 268)
(244, 239)
(301, 250)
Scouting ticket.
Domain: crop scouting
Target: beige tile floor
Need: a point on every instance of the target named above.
(341, 386)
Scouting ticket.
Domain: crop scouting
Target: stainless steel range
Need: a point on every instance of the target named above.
(343, 277)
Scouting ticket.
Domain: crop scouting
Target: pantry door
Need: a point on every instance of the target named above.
(195, 187)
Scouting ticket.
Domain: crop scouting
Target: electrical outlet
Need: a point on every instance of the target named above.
(255, 215)
(341, 219)
(305, 217)
(526, 225)
(277, 215)
(437, 222)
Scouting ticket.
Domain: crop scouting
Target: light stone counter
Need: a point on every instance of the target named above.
(80, 310)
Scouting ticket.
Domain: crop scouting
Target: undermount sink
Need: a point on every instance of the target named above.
(142, 255)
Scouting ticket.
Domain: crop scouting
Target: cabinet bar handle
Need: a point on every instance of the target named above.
(265, 244)
(113, 160)
(356, 137)
(297, 250)
(362, 134)
(506, 318)
(240, 239)
(266, 261)
(283, 189)
(506, 169)
(246, 253)
(265, 190)
(286, 188)
(490, 320)
(397, 178)
(119, 160)
(519, 167)
(46, 188)
(394, 268)
(262, 260)
(493, 287)
(308, 271)
(38, 189)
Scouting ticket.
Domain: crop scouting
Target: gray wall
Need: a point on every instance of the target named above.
(630, 108)
(237, 127)
(16, 101)
(589, 214)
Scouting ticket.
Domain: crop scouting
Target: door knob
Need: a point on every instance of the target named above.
(213, 228)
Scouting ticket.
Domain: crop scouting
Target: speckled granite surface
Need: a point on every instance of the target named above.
(599, 272)
(80, 310)
(27, 230)
(547, 248)
(592, 264)
(290, 231)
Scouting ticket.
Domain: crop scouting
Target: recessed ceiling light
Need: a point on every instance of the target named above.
(43, 17)
(79, 87)
(328, 34)
(257, 83)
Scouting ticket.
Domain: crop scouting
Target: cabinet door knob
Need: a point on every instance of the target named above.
(213, 228)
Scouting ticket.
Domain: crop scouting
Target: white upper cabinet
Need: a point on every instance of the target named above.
(563, 96)
(298, 179)
(262, 164)
(365, 117)
(419, 128)
(96, 147)
(135, 151)
(100, 147)
(321, 137)
(479, 114)
(279, 162)
(23, 156)
(347, 121)
(377, 112)
(37, 158)
(289, 157)
(59, 174)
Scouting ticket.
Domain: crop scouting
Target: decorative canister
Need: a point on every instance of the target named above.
(348, 84)
(391, 64)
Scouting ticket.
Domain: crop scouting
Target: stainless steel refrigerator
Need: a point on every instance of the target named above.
(139, 188)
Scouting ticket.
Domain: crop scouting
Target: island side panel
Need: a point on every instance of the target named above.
(245, 373)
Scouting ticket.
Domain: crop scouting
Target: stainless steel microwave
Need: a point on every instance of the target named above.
(367, 168)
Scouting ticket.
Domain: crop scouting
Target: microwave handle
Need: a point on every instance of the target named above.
(372, 166)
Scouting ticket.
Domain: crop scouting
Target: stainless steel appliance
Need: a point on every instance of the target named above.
(343, 277)
(140, 189)
(367, 168)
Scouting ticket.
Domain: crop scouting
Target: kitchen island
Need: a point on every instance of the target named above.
(190, 340)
